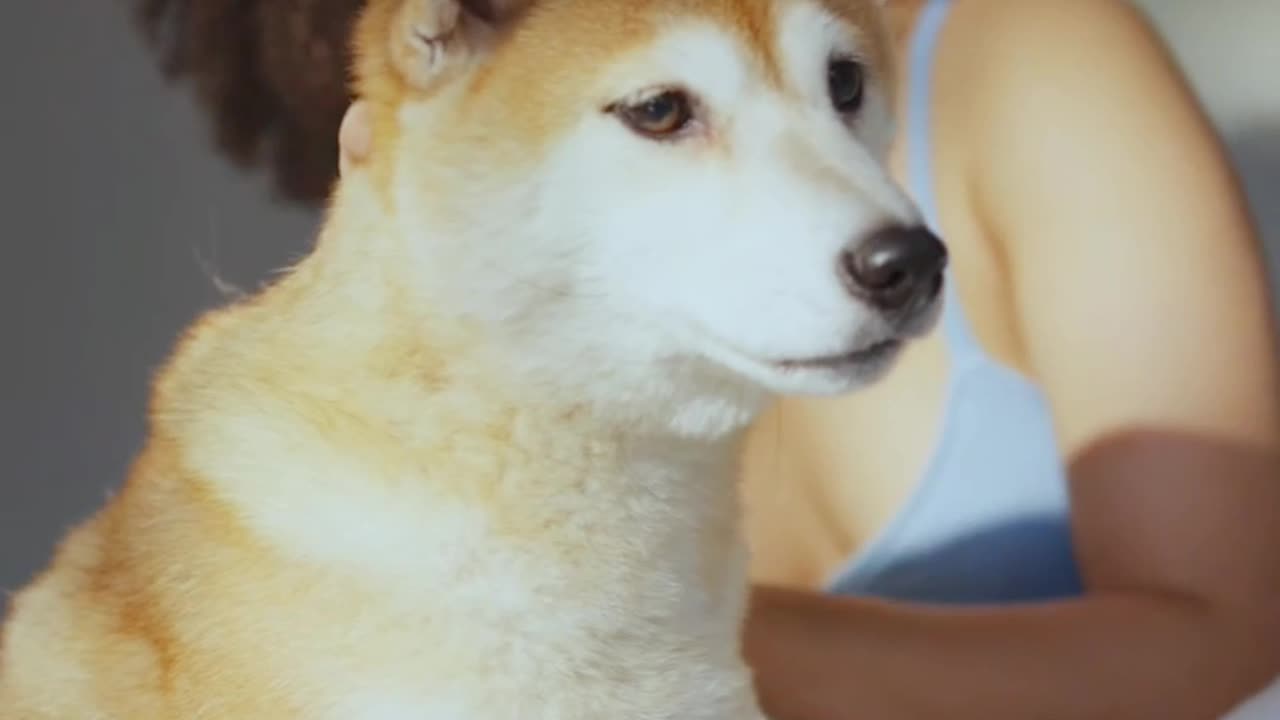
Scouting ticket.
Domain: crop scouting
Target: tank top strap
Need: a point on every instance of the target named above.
(961, 342)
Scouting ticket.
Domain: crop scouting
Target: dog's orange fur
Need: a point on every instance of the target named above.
(168, 604)
(531, 90)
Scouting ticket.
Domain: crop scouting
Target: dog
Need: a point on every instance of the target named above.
(474, 456)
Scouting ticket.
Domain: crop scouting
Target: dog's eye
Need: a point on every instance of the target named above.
(659, 116)
(846, 81)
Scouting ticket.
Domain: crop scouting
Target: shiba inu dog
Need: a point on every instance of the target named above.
(473, 458)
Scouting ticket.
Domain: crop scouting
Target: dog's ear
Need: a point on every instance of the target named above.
(421, 42)
(427, 37)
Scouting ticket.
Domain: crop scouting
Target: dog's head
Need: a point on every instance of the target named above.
(672, 206)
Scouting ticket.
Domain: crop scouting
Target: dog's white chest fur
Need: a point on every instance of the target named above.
(553, 576)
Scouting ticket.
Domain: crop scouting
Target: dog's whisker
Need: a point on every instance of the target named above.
(208, 265)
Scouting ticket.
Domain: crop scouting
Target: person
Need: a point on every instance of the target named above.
(1065, 503)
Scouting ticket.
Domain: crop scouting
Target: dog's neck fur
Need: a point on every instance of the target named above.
(423, 418)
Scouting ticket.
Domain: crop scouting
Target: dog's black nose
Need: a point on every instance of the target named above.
(895, 268)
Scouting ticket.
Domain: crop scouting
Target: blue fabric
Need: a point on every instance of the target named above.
(989, 521)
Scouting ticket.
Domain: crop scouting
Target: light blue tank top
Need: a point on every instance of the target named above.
(989, 521)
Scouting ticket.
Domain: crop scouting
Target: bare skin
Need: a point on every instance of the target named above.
(355, 139)
(1102, 248)
(1126, 280)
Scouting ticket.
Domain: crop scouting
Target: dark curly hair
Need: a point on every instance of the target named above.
(272, 74)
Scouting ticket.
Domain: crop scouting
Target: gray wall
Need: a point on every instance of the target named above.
(110, 194)
(1230, 50)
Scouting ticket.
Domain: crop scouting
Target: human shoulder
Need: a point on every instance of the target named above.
(1045, 30)
(1022, 58)
(1054, 90)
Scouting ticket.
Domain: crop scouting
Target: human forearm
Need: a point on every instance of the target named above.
(824, 658)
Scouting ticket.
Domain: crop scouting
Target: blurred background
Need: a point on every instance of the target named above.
(118, 209)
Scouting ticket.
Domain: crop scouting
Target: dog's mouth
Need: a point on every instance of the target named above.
(831, 372)
(873, 354)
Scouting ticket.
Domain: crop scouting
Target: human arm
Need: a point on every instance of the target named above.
(1143, 311)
